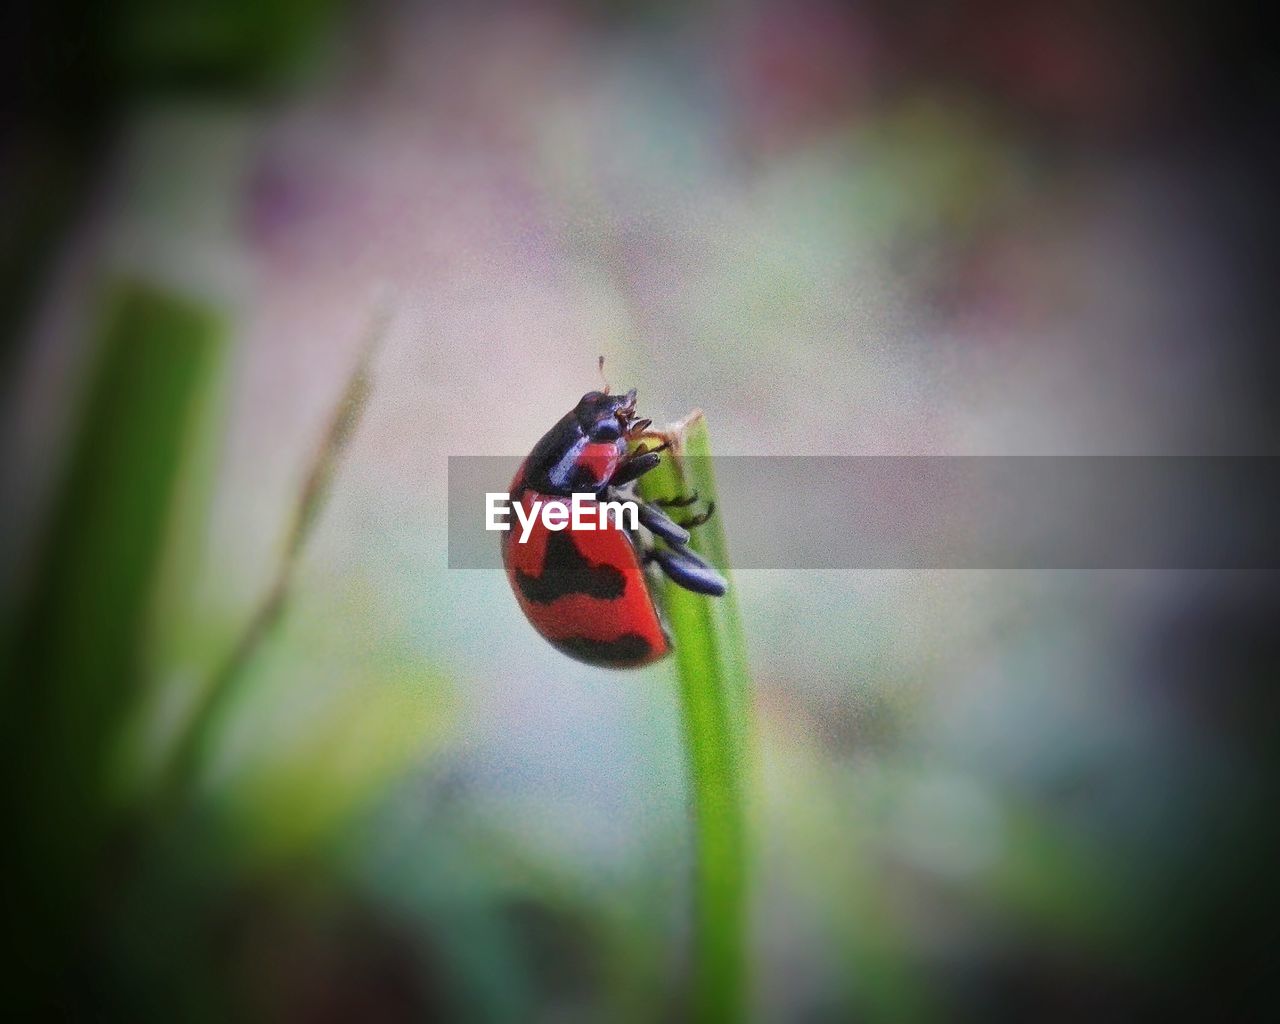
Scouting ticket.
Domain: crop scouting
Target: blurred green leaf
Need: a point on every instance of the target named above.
(225, 44)
(75, 676)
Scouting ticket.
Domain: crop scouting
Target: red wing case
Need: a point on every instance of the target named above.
(584, 591)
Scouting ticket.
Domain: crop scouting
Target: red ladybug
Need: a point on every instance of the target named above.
(587, 591)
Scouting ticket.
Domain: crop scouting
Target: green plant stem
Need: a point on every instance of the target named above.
(193, 746)
(711, 663)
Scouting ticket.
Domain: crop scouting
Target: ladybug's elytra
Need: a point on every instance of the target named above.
(587, 591)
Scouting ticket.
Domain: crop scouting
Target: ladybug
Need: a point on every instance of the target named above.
(589, 592)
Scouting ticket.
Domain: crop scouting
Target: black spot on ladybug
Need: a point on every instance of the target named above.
(625, 650)
(566, 572)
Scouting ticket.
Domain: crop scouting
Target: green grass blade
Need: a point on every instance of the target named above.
(715, 688)
(73, 677)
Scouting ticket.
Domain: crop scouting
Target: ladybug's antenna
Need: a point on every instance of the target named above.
(600, 370)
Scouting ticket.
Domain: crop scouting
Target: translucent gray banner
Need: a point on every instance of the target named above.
(956, 512)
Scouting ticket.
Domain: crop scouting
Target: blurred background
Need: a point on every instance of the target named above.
(267, 758)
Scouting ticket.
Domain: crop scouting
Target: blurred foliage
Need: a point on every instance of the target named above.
(228, 46)
(73, 676)
(124, 895)
(75, 68)
(296, 790)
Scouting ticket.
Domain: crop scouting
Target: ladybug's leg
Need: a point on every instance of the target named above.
(659, 524)
(688, 524)
(636, 465)
(700, 518)
(689, 571)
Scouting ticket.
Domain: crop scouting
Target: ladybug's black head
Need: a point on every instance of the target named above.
(605, 417)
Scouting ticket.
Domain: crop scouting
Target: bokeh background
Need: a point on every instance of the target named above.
(878, 228)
